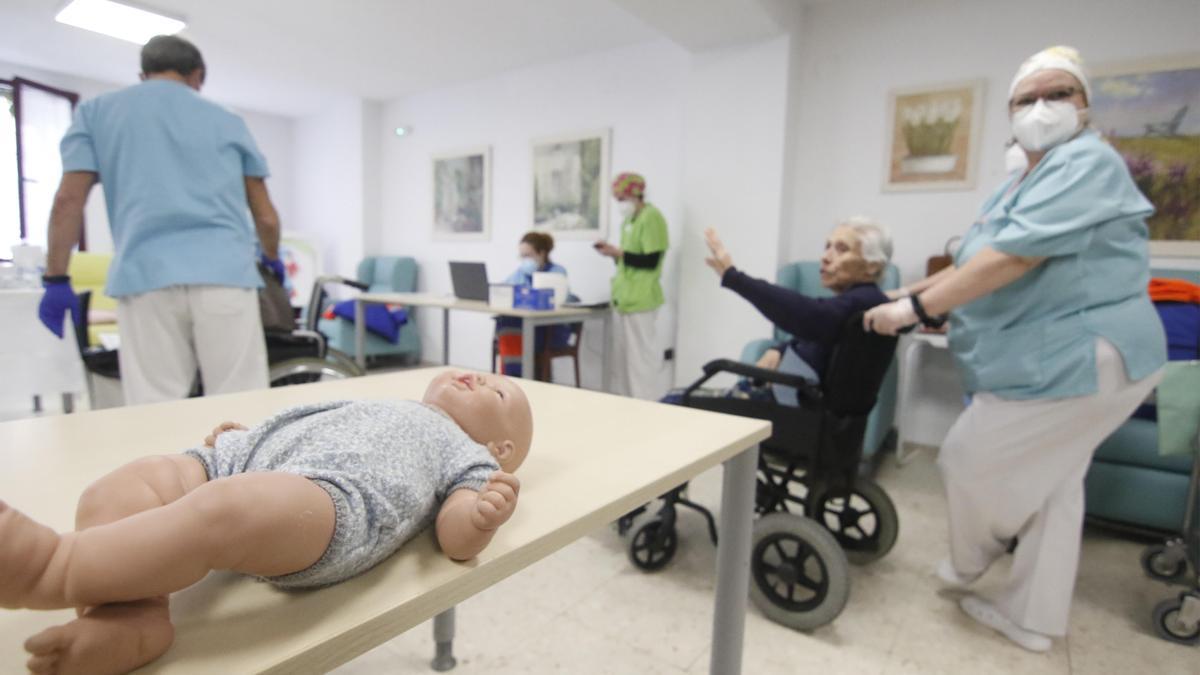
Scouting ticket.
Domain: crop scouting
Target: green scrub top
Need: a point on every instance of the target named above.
(639, 290)
(1035, 338)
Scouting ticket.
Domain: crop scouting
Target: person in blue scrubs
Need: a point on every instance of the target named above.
(1057, 341)
(178, 173)
(534, 250)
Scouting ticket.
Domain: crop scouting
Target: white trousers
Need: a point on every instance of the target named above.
(636, 359)
(1015, 469)
(167, 334)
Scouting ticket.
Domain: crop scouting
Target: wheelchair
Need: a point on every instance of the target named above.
(299, 356)
(815, 513)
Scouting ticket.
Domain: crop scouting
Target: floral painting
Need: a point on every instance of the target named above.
(461, 195)
(933, 134)
(1152, 116)
(570, 184)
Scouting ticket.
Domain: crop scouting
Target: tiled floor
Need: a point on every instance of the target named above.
(585, 610)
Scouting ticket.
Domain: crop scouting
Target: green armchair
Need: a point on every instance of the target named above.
(384, 274)
(805, 277)
(1128, 482)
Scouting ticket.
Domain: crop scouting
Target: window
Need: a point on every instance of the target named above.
(33, 119)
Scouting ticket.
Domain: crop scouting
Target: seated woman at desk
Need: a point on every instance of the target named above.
(311, 497)
(856, 254)
(534, 249)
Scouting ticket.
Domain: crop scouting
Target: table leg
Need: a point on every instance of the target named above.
(360, 335)
(443, 637)
(446, 336)
(908, 376)
(527, 350)
(733, 563)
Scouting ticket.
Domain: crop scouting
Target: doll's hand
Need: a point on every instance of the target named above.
(210, 441)
(496, 501)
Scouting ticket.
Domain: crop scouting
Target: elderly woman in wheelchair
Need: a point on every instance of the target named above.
(817, 514)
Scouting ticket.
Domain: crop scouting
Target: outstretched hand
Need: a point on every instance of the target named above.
(210, 441)
(718, 258)
(496, 501)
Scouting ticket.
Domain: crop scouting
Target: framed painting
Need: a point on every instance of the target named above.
(462, 200)
(1150, 112)
(570, 184)
(933, 137)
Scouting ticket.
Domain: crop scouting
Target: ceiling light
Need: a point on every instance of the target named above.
(402, 131)
(118, 20)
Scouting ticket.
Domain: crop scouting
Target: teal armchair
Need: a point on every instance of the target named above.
(1128, 482)
(384, 274)
(805, 277)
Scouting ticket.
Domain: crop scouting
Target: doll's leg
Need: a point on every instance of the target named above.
(263, 523)
(119, 637)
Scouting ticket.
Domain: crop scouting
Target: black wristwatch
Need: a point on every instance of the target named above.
(926, 320)
(55, 278)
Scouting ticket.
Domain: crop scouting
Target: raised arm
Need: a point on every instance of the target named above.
(468, 519)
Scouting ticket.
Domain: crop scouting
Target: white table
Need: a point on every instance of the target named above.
(595, 457)
(530, 319)
(930, 396)
(33, 362)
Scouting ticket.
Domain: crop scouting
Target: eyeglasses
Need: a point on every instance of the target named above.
(1026, 100)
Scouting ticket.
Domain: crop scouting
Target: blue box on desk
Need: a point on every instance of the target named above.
(527, 297)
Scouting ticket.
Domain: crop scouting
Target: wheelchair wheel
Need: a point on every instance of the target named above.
(1169, 623)
(862, 519)
(306, 370)
(1165, 562)
(799, 576)
(652, 543)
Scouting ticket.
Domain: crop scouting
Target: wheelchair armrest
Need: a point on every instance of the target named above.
(804, 388)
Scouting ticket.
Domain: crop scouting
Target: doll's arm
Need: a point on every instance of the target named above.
(468, 519)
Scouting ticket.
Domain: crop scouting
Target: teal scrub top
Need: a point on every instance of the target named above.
(1035, 338)
(173, 168)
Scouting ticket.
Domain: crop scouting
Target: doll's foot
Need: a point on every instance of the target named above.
(107, 640)
(26, 550)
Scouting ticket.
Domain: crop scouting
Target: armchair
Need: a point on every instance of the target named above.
(382, 274)
(804, 277)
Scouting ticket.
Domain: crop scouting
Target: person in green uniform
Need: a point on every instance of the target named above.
(637, 292)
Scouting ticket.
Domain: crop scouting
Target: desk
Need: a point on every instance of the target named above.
(929, 392)
(530, 319)
(33, 362)
(595, 457)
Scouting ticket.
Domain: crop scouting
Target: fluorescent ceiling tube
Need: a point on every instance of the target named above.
(118, 20)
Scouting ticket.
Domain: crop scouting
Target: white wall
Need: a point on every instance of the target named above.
(853, 53)
(735, 126)
(637, 92)
(273, 134)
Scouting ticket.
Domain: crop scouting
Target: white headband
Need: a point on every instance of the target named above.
(1053, 58)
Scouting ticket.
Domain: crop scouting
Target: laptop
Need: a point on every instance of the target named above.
(470, 280)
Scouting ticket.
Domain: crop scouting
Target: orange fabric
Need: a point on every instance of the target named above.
(1174, 290)
(509, 345)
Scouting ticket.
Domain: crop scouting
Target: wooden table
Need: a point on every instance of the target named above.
(595, 457)
(530, 319)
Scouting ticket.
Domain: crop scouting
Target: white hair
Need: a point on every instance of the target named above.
(874, 239)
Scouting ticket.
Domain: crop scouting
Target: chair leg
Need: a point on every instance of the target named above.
(575, 358)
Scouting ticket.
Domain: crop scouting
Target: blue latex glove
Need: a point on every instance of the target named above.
(55, 302)
(275, 265)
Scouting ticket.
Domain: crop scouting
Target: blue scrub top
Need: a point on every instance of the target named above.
(172, 165)
(1035, 338)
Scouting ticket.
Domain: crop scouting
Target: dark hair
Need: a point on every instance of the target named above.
(540, 241)
(168, 52)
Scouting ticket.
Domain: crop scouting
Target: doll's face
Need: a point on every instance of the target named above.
(492, 409)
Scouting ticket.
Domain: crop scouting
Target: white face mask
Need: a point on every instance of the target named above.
(626, 207)
(1015, 159)
(1044, 125)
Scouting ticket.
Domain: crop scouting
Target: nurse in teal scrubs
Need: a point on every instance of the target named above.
(1057, 341)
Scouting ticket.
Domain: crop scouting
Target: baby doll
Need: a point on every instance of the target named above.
(311, 497)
